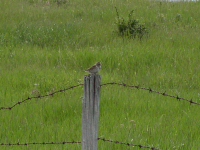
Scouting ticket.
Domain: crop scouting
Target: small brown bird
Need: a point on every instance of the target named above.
(95, 68)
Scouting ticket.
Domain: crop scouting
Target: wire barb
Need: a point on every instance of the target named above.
(72, 142)
(129, 144)
(111, 83)
(39, 96)
(42, 143)
(153, 91)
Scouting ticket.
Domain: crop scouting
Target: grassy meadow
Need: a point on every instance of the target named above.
(46, 45)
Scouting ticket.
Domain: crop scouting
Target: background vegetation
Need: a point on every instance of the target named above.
(45, 45)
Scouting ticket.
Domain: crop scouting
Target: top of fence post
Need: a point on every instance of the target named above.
(90, 112)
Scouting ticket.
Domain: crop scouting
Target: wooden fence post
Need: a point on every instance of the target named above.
(90, 112)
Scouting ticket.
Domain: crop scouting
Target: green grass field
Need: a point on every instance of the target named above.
(45, 45)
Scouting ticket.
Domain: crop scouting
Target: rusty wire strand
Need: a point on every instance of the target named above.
(150, 90)
(40, 96)
(34, 143)
(111, 83)
(103, 139)
(129, 144)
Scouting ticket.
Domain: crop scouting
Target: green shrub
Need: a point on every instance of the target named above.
(130, 28)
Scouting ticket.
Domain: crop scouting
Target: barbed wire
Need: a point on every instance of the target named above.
(129, 144)
(150, 90)
(103, 139)
(40, 96)
(34, 143)
(111, 83)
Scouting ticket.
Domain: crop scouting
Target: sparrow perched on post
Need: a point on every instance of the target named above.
(95, 68)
